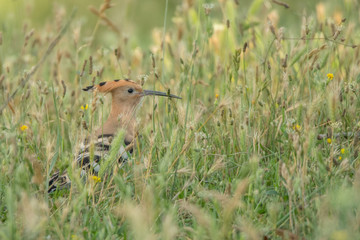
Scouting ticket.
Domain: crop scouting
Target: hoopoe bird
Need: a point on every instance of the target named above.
(126, 96)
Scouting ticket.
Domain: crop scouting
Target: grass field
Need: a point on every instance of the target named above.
(263, 145)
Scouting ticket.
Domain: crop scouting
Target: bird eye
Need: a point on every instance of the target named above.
(130, 90)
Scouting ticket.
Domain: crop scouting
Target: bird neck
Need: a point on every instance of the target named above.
(120, 117)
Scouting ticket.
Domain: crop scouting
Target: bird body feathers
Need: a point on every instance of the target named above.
(89, 160)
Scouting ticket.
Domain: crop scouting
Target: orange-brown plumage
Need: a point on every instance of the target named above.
(126, 96)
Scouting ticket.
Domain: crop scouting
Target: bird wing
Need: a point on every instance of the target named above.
(89, 160)
(100, 150)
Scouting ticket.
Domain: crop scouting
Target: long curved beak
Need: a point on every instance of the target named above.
(157, 93)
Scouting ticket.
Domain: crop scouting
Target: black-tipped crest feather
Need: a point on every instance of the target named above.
(88, 88)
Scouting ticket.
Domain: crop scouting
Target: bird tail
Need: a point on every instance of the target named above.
(58, 182)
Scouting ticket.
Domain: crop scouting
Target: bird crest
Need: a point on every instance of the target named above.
(106, 87)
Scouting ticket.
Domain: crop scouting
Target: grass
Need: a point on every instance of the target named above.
(263, 144)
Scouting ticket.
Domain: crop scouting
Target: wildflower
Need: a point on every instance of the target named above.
(96, 179)
(74, 237)
(340, 158)
(330, 76)
(342, 150)
(340, 234)
(84, 107)
(297, 127)
(216, 99)
(24, 128)
(329, 140)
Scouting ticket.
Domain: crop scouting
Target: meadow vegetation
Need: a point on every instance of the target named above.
(263, 145)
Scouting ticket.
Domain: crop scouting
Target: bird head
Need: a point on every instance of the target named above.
(126, 92)
(126, 96)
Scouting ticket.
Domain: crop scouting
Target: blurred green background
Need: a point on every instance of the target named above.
(136, 19)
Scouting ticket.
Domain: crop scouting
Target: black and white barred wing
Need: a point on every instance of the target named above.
(91, 154)
(89, 160)
(59, 181)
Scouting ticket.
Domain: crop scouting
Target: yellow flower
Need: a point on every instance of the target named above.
(340, 234)
(216, 99)
(330, 76)
(24, 128)
(329, 140)
(74, 237)
(297, 127)
(96, 179)
(342, 150)
(340, 158)
(84, 107)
